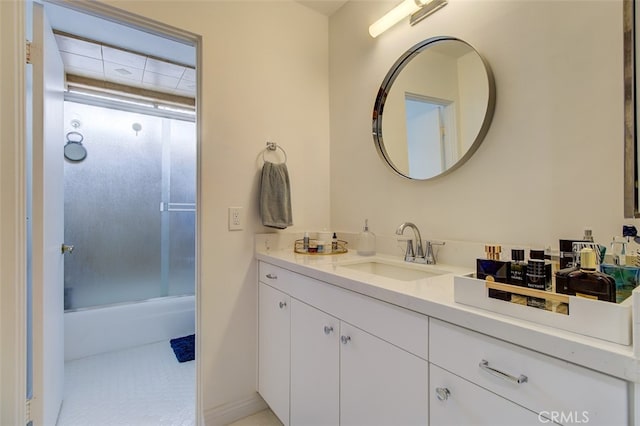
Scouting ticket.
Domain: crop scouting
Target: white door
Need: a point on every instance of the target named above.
(48, 223)
(380, 384)
(315, 366)
(274, 349)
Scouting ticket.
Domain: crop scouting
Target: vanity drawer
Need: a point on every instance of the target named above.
(275, 276)
(398, 326)
(551, 385)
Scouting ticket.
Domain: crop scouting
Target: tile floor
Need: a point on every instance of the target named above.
(141, 386)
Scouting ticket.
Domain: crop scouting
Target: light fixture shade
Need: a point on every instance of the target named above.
(395, 15)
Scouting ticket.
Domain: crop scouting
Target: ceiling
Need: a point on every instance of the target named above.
(102, 62)
(109, 52)
(325, 7)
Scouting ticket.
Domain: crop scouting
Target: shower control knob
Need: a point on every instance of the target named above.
(66, 248)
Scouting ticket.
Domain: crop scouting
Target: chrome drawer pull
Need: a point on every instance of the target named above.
(272, 276)
(484, 364)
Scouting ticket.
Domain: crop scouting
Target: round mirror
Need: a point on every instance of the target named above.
(433, 108)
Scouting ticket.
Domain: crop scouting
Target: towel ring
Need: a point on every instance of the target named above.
(272, 146)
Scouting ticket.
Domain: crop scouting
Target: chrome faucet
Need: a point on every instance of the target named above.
(420, 256)
(419, 253)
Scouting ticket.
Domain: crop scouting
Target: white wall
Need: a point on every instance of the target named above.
(265, 75)
(552, 160)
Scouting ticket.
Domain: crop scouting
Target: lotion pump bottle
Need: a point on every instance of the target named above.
(366, 241)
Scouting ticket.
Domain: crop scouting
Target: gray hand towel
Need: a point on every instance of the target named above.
(275, 196)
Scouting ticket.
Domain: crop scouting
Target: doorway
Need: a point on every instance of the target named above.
(101, 89)
(432, 145)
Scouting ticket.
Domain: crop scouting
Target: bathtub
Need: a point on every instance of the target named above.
(97, 330)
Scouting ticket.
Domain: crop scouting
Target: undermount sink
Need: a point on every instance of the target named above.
(410, 272)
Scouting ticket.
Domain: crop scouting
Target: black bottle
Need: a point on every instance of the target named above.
(494, 269)
(538, 277)
(518, 270)
(588, 282)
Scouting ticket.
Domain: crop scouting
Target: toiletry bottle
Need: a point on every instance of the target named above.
(568, 257)
(538, 277)
(538, 255)
(494, 269)
(588, 282)
(366, 241)
(588, 235)
(334, 243)
(518, 273)
(305, 242)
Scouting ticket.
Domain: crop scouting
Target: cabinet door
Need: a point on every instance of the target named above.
(315, 366)
(380, 384)
(454, 401)
(273, 349)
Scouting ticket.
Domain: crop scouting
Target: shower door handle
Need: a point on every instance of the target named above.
(67, 248)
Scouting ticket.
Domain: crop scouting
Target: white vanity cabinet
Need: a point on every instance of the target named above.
(330, 356)
(380, 384)
(557, 390)
(353, 359)
(315, 366)
(454, 401)
(341, 374)
(274, 349)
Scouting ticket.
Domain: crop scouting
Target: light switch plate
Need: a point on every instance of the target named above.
(235, 218)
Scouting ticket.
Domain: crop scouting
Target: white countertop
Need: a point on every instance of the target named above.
(434, 297)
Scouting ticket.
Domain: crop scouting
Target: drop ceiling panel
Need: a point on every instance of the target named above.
(86, 63)
(122, 57)
(79, 47)
(164, 68)
(126, 73)
(111, 64)
(152, 79)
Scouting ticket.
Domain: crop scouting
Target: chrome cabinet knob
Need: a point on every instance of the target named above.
(282, 305)
(66, 248)
(345, 339)
(442, 394)
(328, 329)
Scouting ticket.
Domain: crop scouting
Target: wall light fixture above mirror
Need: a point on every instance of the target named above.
(434, 108)
(418, 9)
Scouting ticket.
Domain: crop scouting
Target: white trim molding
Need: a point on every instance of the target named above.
(235, 410)
(12, 213)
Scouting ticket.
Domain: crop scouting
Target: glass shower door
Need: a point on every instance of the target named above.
(129, 208)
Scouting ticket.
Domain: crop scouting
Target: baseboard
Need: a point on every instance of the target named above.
(230, 412)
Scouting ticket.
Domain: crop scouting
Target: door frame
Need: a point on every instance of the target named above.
(13, 230)
(13, 193)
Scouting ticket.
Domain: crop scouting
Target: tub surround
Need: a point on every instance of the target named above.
(93, 331)
(434, 297)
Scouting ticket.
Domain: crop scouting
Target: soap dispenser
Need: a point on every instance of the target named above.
(366, 241)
